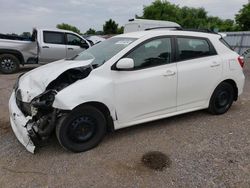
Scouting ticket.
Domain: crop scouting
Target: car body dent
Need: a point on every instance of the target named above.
(94, 89)
(35, 82)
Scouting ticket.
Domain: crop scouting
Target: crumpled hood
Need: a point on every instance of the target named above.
(35, 82)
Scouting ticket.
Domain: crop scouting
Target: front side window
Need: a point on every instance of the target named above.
(73, 40)
(153, 53)
(53, 37)
(189, 48)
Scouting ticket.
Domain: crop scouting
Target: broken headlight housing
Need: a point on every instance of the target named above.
(43, 101)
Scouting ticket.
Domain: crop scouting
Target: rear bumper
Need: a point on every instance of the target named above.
(19, 124)
(240, 84)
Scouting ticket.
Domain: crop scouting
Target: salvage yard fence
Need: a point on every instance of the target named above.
(240, 42)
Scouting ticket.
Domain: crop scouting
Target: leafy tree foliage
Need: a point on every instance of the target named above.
(187, 17)
(120, 30)
(90, 32)
(243, 18)
(110, 27)
(99, 33)
(68, 27)
(26, 35)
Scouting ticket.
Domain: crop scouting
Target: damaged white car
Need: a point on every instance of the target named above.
(123, 81)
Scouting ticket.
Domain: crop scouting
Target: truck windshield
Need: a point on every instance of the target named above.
(102, 52)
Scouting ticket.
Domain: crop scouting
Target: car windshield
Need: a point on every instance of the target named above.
(102, 52)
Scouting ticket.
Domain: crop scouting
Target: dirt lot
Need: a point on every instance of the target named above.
(205, 151)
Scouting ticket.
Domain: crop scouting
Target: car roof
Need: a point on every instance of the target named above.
(140, 34)
(55, 30)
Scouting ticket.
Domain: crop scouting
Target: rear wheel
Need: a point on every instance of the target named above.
(9, 63)
(221, 99)
(82, 129)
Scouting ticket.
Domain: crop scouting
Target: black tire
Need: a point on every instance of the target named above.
(9, 63)
(222, 99)
(82, 129)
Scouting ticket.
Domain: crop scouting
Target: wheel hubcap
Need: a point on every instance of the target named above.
(222, 99)
(7, 64)
(81, 129)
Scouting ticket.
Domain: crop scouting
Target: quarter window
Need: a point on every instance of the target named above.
(189, 48)
(53, 37)
(153, 53)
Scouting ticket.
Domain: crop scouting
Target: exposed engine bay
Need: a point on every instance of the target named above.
(43, 117)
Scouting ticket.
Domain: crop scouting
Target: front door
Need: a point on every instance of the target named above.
(73, 45)
(150, 89)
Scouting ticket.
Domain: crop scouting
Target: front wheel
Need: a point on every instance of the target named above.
(222, 99)
(82, 129)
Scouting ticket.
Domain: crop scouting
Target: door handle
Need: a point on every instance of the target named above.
(45, 46)
(70, 49)
(169, 73)
(214, 64)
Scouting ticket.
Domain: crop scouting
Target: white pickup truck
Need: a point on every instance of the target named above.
(45, 45)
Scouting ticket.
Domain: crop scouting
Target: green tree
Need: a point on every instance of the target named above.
(120, 30)
(99, 33)
(110, 27)
(90, 32)
(187, 17)
(68, 27)
(243, 17)
(26, 35)
(161, 10)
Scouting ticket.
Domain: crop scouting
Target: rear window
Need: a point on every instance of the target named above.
(189, 48)
(53, 37)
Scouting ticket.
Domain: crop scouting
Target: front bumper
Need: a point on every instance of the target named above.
(19, 124)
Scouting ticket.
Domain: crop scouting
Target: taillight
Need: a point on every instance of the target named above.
(241, 61)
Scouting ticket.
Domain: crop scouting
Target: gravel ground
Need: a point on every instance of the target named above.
(205, 151)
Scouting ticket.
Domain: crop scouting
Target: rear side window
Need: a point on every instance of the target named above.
(53, 37)
(189, 48)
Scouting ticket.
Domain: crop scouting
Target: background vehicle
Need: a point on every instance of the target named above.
(45, 45)
(175, 72)
(94, 39)
(143, 24)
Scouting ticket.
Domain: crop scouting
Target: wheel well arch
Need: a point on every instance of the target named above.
(106, 112)
(235, 88)
(13, 52)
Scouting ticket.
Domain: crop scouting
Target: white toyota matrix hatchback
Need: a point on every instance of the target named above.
(126, 80)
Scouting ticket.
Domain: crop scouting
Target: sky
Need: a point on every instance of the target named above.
(17, 16)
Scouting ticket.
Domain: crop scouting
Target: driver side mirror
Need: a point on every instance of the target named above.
(84, 44)
(125, 64)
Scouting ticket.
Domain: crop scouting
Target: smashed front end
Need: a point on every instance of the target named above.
(34, 121)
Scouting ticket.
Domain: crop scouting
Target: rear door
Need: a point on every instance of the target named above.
(199, 71)
(53, 46)
(74, 44)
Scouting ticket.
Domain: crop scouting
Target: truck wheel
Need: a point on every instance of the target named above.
(221, 99)
(9, 63)
(82, 129)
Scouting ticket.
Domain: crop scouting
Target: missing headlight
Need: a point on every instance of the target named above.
(44, 101)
